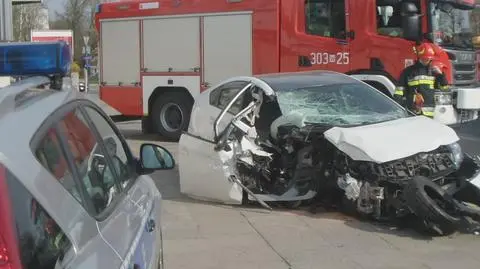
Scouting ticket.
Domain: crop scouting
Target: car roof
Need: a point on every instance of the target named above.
(295, 80)
(22, 115)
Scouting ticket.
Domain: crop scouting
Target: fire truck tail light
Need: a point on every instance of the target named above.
(35, 58)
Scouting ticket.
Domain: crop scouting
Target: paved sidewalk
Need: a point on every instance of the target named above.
(213, 236)
(210, 236)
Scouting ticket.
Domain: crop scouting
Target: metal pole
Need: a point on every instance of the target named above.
(85, 72)
(8, 20)
(6, 30)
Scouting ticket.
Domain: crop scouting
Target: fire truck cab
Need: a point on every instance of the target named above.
(156, 56)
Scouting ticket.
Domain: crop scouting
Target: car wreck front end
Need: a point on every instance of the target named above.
(340, 143)
(419, 169)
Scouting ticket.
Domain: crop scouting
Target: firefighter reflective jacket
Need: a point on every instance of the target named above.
(417, 86)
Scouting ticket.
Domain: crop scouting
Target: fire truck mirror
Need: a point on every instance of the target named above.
(411, 22)
(409, 9)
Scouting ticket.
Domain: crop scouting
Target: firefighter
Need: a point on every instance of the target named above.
(417, 84)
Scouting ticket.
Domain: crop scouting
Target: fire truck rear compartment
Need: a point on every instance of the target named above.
(176, 56)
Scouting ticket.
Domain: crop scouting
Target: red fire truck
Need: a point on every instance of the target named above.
(156, 56)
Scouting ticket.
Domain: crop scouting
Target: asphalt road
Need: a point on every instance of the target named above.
(469, 134)
(209, 236)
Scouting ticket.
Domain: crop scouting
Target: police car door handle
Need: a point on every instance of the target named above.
(150, 225)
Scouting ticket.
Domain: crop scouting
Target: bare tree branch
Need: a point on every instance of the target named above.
(28, 17)
(75, 17)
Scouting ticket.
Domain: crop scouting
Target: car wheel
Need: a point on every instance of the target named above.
(429, 202)
(171, 114)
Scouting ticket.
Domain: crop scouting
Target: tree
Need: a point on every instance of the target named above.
(28, 17)
(475, 19)
(77, 16)
(92, 32)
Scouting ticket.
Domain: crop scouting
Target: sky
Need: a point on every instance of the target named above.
(54, 5)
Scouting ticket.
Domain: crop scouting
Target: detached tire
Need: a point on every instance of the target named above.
(429, 202)
(171, 114)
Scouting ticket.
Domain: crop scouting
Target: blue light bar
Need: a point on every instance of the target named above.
(35, 58)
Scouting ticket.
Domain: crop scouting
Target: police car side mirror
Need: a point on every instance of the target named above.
(154, 157)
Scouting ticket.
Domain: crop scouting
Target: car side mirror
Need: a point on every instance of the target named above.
(154, 157)
(411, 22)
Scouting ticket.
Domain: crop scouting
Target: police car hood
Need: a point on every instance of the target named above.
(392, 140)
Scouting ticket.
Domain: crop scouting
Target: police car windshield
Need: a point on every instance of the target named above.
(451, 27)
(339, 104)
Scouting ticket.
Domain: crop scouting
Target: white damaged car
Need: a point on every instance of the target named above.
(291, 137)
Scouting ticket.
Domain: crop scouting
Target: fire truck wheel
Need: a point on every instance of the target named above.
(171, 114)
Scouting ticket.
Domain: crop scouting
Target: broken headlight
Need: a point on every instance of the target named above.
(443, 98)
(457, 154)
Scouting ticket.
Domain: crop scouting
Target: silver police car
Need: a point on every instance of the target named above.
(72, 195)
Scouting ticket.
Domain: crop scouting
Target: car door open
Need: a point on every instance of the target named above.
(216, 178)
(209, 178)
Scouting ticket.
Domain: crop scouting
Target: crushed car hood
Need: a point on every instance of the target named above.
(392, 140)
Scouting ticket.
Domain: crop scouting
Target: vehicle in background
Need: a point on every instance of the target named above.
(69, 183)
(81, 86)
(298, 137)
(476, 40)
(148, 70)
(53, 35)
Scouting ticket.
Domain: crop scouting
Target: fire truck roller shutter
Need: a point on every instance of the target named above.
(168, 100)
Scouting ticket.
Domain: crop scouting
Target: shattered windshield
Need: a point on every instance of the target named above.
(451, 28)
(339, 104)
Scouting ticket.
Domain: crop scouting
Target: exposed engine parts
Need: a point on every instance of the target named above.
(302, 165)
